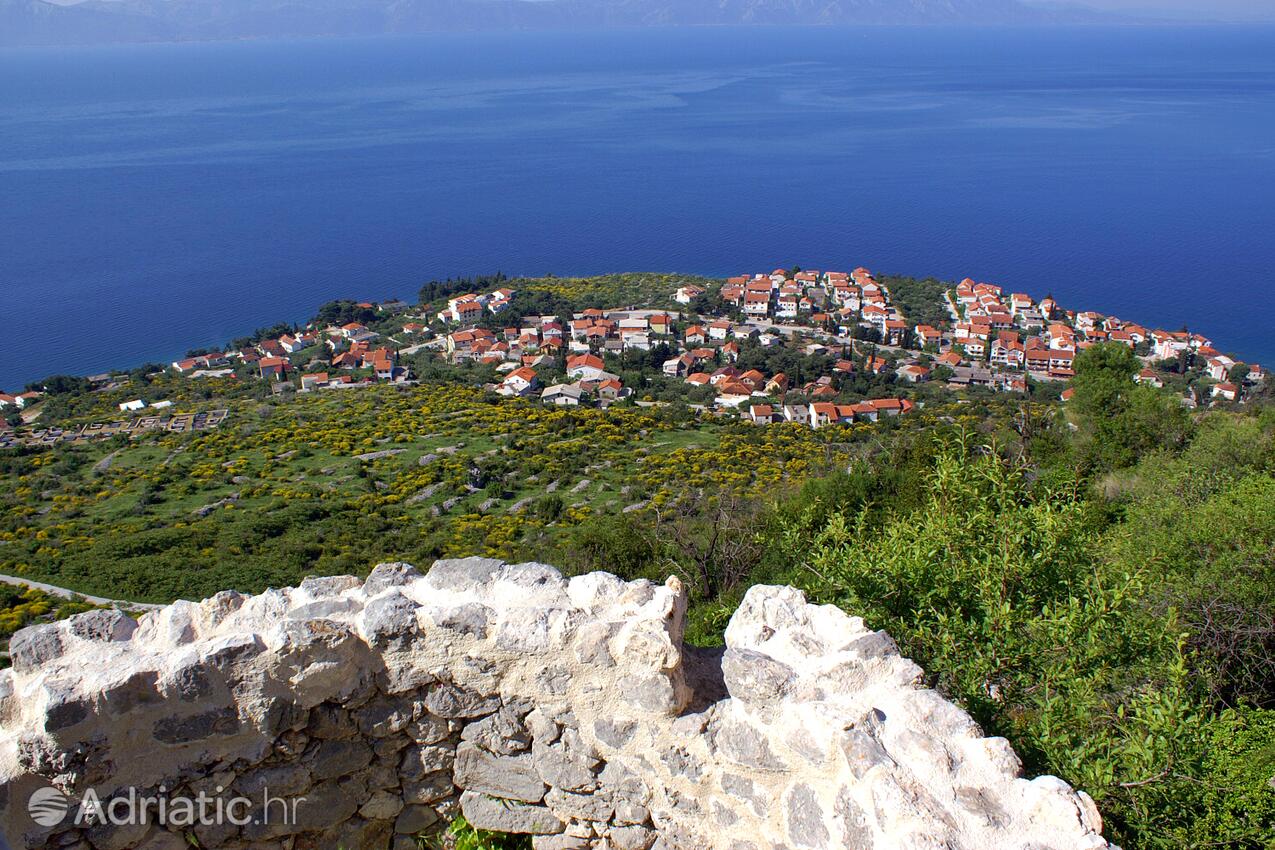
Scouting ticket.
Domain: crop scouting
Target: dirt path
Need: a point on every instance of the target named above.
(67, 594)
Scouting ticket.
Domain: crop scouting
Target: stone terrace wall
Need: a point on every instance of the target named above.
(567, 709)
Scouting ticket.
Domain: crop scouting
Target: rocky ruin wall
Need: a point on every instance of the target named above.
(567, 709)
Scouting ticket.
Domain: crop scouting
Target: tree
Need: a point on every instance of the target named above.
(1119, 420)
(1104, 374)
(339, 312)
(436, 289)
(1204, 522)
(708, 538)
(60, 385)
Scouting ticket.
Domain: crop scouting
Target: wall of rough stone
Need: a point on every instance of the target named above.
(567, 709)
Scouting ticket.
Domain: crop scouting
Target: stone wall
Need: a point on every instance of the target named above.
(567, 709)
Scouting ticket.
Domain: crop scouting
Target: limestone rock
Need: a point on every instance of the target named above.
(502, 733)
(339, 758)
(102, 625)
(755, 678)
(389, 618)
(631, 837)
(511, 777)
(499, 816)
(33, 646)
(567, 709)
(462, 573)
(806, 820)
(414, 819)
(385, 576)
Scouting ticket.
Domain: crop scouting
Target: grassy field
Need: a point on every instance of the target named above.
(334, 482)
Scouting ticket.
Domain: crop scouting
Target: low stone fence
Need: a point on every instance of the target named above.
(359, 714)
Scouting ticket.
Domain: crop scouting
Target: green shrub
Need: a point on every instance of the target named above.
(1238, 783)
(994, 587)
(462, 836)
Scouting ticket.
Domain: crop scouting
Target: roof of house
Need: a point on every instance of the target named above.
(585, 361)
(561, 389)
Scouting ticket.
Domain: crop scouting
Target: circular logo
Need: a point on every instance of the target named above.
(47, 806)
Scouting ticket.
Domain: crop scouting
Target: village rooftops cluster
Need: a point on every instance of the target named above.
(995, 340)
(541, 341)
(592, 331)
(842, 298)
(345, 349)
(1015, 335)
(707, 351)
(469, 308)
(818, 414)
(846, 322)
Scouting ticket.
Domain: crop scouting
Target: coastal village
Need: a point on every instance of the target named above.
(844, 325)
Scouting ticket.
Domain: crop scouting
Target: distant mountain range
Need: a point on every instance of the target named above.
(32, 22)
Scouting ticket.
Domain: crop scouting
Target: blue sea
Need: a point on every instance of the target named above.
(162, 197)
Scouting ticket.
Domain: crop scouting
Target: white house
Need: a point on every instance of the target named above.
(679, 366)
(1148, 377)
(1220, 367)
(687, 294)
(586, 366)
(519, 382)
(788, 305)
(300, 342)
(563, 395)
(1169, 345)
(757, 304)
(639, 340)
(914, 373)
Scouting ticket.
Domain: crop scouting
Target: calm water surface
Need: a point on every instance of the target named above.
(157, 198)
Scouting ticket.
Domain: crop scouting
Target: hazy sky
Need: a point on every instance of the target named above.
(1215, 9)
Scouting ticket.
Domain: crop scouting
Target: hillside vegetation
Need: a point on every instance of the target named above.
(330, 483)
